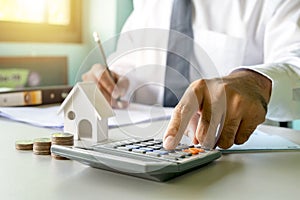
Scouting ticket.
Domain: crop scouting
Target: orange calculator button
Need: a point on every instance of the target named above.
(194, 151)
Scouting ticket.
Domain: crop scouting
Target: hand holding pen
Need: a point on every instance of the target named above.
(111, 84)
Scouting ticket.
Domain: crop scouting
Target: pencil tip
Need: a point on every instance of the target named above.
(96, 36)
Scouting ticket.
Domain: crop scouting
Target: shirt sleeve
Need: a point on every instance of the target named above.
(282, 61)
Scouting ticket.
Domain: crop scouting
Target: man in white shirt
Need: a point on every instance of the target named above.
(255, 46)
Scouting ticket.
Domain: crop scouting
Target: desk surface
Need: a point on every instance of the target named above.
(234, 176)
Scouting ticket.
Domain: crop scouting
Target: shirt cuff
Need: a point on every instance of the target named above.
(284, 103)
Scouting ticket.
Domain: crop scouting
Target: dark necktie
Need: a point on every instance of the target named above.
(180, 48)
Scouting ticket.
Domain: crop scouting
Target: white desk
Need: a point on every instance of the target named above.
(24, 175)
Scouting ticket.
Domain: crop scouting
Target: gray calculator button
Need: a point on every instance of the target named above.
(141, 144)
(132, 146)
(161, 152)
(146, 149)
(147, 143)
(154, 147)
(180, 147)
(123, 148)
(139, 150)
(151, 143)
(158, 141)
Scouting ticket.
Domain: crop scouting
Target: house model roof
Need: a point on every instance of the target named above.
(93, 96)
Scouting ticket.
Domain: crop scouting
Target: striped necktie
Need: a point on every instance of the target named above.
(180, 49)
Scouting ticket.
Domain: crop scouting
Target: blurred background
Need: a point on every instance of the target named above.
(44, 42)
(57, 30)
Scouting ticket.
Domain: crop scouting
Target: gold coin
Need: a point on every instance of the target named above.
(67, 143)
(57, 157)
(24, 144)
(42, 142)
(62, 139)
(42, 152)
(62, 135)
(41, 148)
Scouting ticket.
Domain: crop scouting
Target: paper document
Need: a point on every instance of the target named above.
(38, 116)
(260, 141)
(46, 116)
(138, 113)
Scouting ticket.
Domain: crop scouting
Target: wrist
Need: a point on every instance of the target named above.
(263, 83)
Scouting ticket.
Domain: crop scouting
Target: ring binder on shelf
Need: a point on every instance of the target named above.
(34, 96)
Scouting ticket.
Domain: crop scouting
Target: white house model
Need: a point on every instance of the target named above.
(86, 113)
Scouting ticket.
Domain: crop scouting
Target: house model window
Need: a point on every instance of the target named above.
(71, 115)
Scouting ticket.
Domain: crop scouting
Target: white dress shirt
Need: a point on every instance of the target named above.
(263, 35)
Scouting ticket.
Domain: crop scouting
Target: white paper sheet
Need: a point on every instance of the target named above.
(46, 116)
(137, 113)
(261, 142)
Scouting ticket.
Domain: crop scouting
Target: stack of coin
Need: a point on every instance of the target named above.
(41, 146)
(65, 139)
(24, 144)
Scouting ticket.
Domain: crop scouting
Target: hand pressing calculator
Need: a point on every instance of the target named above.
(145, 158)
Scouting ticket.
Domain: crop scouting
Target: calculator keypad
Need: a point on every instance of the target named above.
(154, 148)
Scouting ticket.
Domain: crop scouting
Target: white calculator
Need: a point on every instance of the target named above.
(144, 158)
